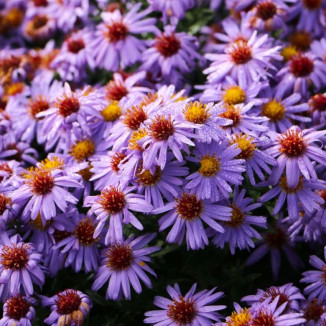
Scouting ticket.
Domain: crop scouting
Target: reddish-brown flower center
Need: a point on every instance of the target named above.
(4, 201)
(67, 302)
(240, 53)
(318, 102)
(40, 182)
(40, 3)
(273, 292)
(167, 45)
(161, 128)
(76, 45)
(112, 200)
(237, 217)
(115, 161)
(312, 4)
(115, 90)
(119, 256)
(301, 40)
(189, 207)
(6, 168)
(37, 105)
(85, 231)
(134, 117)
(301, 65)
(182, 311)
(17, 307)
(39, 21)
(117, 31)
(276, 238)
(60, 235)
(266, 10)
(292, 143)
(67, 105)
(14, 257)
(263, 318)
(313, 310)
(232, 113)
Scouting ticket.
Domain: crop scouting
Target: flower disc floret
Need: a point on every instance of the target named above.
(134, 117)
(196, 112)
(182, 311)
(112, 200)
(4, 202)
(292, 143)
(167, 45)
(37, 105)
(116, 32)
(266, 10)
(301, 65)
(274, 110)
(40, 182)
(237, 217)
(146, 178)
(234, 95)
(263, 318)
(312, 4)
(14, 258)
(161, 128)
(240, 52)
(189, 207)
(246, 144)
(241, 318)
(17, 307)
(112, 112)
(119, 257)
(85, 231)
(232, 113)
(82, 150)
(67, 105)
(68, 302)
(75, 45)
(209, 165)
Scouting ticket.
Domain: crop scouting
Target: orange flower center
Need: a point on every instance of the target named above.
(189, 207)
(161, 128)
(67, 302)
(182, 311)
(167, 45)
(112, 200)
(292, 143)
(67, 105)
(240, 53)
(84, 232)
(14, 257)
(119, 257)
(17, 307)
(134, 117)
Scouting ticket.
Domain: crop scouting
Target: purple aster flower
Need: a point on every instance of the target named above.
(18, 311)
(105, 169)
(80, 245)
(161, 184)
(191, 309)
(68, 13)
(257, 161)
(186, 215)
(295, 150)
(242, 121)
(314, 313)
(218, 169)
(282, 112)
(299, 73)
(43, 191)
(271, 313)
(171, 8)
(269, 15)
(114, 205)
(124, 263)
(274, 241)
(244, 61)
(207, 120)
(231, 92)
(239, 231)
(287, 293)
(20, 151)
(165, 132)
(315, 279)
(115, 44)
(302, 196)
(75, 55)
(19, 267)
(310, 15)
(39, 28)
(171, 53)
(69, 307)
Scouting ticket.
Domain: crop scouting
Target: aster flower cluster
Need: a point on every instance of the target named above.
(163, 143)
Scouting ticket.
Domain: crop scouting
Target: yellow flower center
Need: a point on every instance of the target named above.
(241, 318)
(15, 88)
(112, 112)
(288, 52)
(52, 163)
(137, 135)
(196, 112)
(146, 178)
(273, 110)
(245, 143)
(209, 166)
(82, 150)
(234, 95)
